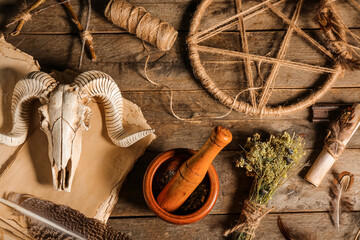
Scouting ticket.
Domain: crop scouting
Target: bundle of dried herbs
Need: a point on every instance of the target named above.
(270, 162)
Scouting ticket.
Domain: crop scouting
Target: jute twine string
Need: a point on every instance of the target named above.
(26, 16)
(172, 95)
(355, 37)
(266, 93)
(296, 65)
(245, 107)
(301, 32)
(339, 133)
(335, 31)
(85, 34)
(223, 24)
(229, 22)
(333, 145)
(245, 48)
(251, 214)
(328, 17)
(136, 20)
(356, 4)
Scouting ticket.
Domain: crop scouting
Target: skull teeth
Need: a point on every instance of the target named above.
(62, 177)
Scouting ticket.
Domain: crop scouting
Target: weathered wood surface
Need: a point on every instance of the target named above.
(56, 20)
(172, 67)
(296, 195)
(127, 48)
(181, 134)
(213, 226)
(52, 39)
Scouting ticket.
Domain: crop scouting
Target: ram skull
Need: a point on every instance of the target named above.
(65, 116)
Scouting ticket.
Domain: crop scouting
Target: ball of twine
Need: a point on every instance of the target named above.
(136, 20)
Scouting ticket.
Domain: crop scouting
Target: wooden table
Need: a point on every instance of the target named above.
(54, 42)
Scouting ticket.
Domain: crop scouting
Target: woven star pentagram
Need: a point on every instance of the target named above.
(259, 95)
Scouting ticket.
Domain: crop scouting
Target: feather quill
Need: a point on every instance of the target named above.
(340, 202)
(39, 218)
(47, 220)
(291, 234)
(357, 235)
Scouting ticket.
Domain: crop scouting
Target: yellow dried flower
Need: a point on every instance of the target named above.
(269, 161)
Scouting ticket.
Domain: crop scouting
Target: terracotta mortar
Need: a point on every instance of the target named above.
(170, 161)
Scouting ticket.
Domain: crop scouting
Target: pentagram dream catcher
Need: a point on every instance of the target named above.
(277, 72)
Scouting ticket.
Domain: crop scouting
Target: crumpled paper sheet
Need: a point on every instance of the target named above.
(14, 65)
(102, 168)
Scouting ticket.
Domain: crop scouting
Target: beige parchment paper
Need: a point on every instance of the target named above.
(26, 169)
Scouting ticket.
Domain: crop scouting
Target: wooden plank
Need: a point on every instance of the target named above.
(174, 133)
(296, 195)
(56, 20)
(66, 48)
(230, 75)
(116, 60)
(213, 227)
(203, 107)
(198, 103)
(111, 48)
(192, 134)
(51, 38)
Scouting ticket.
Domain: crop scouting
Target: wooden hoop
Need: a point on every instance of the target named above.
(227, 100)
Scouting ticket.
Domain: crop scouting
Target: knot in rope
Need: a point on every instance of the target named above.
(86, 35)
(26, 16)
(253, 213)
(333, 145)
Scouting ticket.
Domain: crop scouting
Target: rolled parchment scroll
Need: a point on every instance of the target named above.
(340, 132)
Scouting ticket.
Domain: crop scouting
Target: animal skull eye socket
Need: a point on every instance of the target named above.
(87, 117)
(42, 117)
(87, 123)
(43, 120)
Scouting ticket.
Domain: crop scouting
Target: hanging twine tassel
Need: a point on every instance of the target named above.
(136, 20)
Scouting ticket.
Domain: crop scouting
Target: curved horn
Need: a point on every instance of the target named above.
(34, 85)
(101, 85)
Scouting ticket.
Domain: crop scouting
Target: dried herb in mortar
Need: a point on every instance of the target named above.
(270, 163)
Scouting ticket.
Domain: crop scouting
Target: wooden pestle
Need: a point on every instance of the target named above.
(192, 172)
